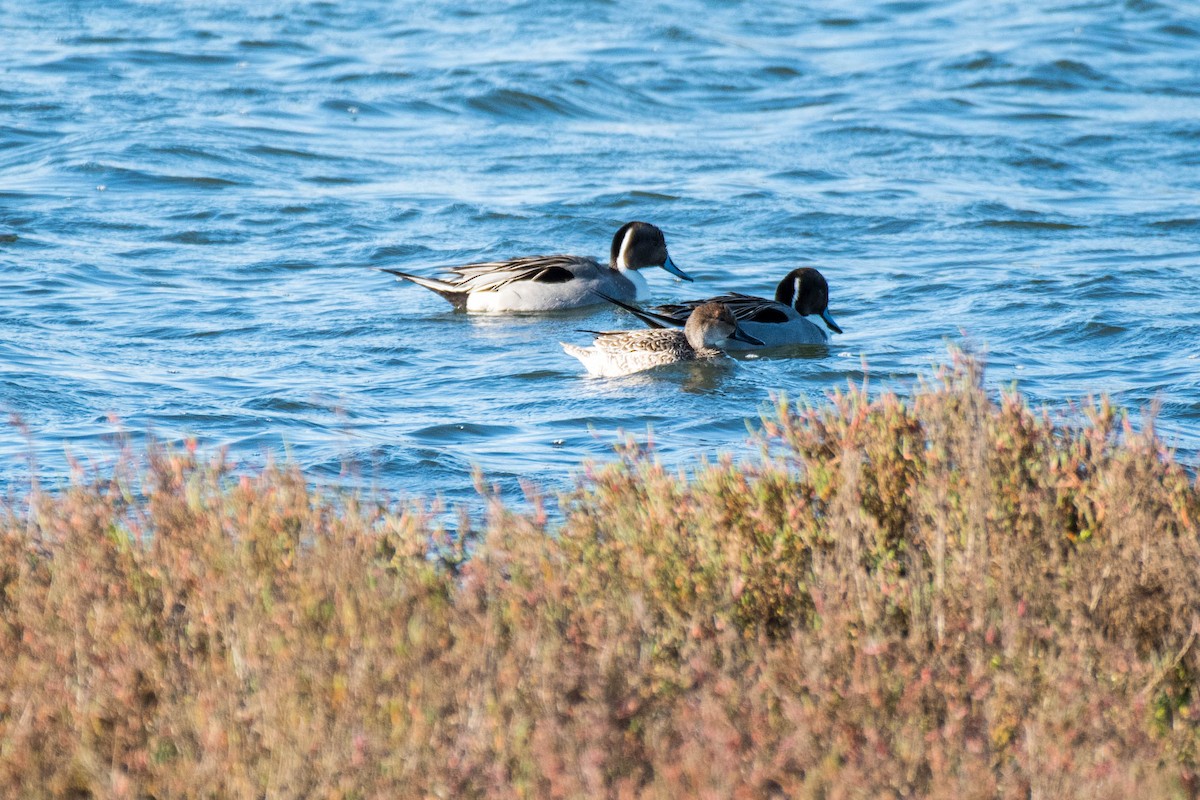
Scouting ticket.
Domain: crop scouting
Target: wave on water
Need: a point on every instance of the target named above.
(193, 199)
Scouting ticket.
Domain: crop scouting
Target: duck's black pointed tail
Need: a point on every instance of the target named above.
(455, 296)
(649, 317)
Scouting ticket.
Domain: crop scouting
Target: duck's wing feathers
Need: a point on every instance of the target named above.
(488, 276)
(652, 341)
(745, 308)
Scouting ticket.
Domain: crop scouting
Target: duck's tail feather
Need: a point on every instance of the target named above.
(582, 353)
(455, 296)
(649, 317)
(587, 356)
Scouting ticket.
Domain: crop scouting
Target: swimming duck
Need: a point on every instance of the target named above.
(709, 329)
(552, 283)
(782, 321)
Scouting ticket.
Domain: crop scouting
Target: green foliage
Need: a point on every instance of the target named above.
(944, 596)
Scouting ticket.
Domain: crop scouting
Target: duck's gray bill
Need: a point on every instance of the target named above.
(670, 267)
(742, 336)
(833, 326)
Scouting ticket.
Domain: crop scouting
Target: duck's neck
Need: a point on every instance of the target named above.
(787, 293)
(695, 338)
(640, 287)
(618, 254)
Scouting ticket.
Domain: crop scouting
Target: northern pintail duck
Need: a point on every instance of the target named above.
(551, 283)
(708, 330)
(782, 321)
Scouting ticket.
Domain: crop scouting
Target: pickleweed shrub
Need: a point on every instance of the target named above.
(944, 595)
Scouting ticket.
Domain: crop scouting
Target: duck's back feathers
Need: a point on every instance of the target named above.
(488, 276)
(534, 283)
(745, 307)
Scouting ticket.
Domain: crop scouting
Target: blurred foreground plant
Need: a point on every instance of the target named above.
(947, 596)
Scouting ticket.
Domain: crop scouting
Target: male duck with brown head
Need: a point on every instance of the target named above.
(553, 283)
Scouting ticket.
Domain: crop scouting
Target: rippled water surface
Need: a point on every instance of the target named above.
(193, 197)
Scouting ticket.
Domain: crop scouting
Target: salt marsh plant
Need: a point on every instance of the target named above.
(945, 596)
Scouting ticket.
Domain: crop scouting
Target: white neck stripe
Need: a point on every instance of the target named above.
(622, 254)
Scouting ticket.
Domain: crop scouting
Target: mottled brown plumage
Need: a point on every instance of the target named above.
(615, 353)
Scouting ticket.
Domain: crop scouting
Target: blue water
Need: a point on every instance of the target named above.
(193, 197)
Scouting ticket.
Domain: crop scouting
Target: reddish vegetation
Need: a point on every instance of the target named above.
(944, 597)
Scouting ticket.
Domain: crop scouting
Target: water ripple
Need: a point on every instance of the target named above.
(191, 202)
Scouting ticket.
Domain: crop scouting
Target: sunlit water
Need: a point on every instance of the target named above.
(193, 197)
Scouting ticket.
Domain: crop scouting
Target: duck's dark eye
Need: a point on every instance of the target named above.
(553, 275)
(769, 316)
